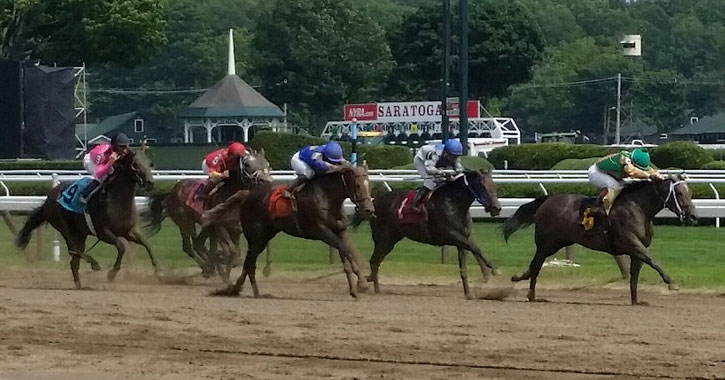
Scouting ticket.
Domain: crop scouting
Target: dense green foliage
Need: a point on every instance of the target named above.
(541, 156)
(680, 154)
(714, 165)
(575, 163)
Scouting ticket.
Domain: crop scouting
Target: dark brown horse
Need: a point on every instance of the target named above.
(112, 210)
(318, 216)
(448, 222)
(629, 231)
(223, 237)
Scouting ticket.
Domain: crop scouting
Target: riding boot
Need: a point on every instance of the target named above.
(609, 199)
(291, 187)
(88, 191)
(203, 193)
(419, 196)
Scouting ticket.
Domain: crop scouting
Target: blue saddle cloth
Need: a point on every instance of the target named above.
(70, 199)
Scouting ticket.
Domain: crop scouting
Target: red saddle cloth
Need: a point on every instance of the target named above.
(192, 201)
(406, 216)
(278, 205)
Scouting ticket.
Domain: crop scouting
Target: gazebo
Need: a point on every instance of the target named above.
(230, 103)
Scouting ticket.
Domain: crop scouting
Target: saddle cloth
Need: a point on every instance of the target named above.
(278, 205)
(585, 210)
(70, 199)
(406, 216)
(192, 200)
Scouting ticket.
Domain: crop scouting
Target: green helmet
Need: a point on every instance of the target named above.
(640, 158)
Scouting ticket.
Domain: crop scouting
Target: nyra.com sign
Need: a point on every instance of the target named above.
(405, 111)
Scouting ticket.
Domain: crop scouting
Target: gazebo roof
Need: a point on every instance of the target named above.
(231, 97)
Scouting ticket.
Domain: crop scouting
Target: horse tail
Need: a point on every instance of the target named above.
(523, 217)
(34, 221)
(157, 204)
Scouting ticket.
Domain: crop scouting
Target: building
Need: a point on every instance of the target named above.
(134, 124)
(705, 130)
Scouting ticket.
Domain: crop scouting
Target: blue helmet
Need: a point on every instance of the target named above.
(453, 147)
(332, 152)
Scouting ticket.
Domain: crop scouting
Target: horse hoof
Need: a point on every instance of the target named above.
(267, 271)
(673, 287)
(516, 278)
(497, 272)
(95, 267)
(112, 275)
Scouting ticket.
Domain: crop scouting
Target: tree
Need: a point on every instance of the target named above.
(504, 43)
(660, 99)
(317, 54)
(70, 32)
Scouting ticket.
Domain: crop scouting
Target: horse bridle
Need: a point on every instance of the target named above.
(671, 194)
(479, 197)
(353, 197)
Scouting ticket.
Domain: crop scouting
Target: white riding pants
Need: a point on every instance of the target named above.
(603, 180)
(301, 168)
(429, 182)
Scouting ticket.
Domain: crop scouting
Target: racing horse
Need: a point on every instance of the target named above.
(223, 236)
(448, 221)
(318, 215)
(112, 212)
(628, 230)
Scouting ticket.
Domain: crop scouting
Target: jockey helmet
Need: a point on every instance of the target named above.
(120, 140)
(332, 152)
(453, 147)
(236, 150)
(640, 158)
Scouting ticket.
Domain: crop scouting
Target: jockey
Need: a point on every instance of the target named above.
(431, 162)
(99, 163)
(313, 160)
(217, 163)
(608, 172)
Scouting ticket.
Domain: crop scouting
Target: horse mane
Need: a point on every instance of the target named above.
(636, 186)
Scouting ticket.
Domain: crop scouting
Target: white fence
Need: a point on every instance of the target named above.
(707, 208)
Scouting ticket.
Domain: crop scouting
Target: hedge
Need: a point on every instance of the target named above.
(542, 156)
(714, 165)
(279, 148)
(40, 165)
(575, 163)
(680, 154)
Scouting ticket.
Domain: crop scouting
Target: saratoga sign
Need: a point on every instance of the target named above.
(405, 111)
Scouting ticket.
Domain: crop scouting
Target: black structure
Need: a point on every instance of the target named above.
(37, 116)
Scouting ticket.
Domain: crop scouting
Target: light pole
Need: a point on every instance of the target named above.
(463, 100)
(445, 66)
(353, 129)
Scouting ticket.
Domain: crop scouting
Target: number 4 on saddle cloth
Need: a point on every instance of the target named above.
(407, 216)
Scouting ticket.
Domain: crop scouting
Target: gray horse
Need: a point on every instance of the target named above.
(627, 231)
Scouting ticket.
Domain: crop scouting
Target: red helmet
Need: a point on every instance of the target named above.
(236, 149)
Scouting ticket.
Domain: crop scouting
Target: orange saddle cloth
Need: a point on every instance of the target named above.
(278, 205)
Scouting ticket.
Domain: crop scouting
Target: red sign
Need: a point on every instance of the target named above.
(406, 111)
(361, 112)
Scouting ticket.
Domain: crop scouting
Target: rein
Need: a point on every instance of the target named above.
(352, 194)
(671, 194)
(476, 195)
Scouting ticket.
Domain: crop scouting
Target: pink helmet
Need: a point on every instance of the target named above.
(236, 149)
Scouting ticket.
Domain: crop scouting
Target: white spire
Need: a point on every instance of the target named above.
(231, 70)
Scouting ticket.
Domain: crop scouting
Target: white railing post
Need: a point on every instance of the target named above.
(717, 196)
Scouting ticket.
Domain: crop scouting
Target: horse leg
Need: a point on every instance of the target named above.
(346, 253)
(464, 272)
(267, 271)
(76, 249)
(250, 267)
(136, 237)
(634, 266)
(187, 230)
(384, 244)
(90, 260)
(484, 262)
(534, 267)
(120, 244)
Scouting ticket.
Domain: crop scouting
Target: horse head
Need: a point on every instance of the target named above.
(677, 197)
(481, 185)
(256, 168)
(137, 165)
(357, 185)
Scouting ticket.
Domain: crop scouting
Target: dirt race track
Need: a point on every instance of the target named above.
(139, 329)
